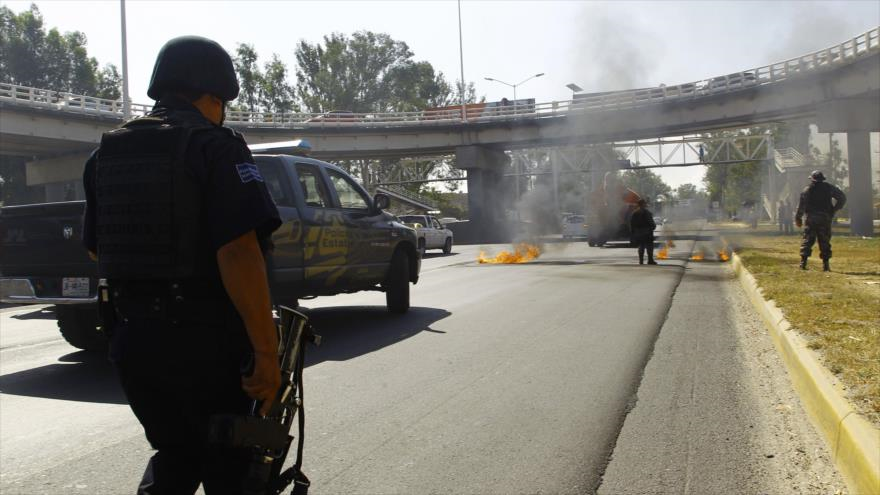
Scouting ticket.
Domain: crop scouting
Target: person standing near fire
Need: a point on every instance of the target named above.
(819, 201)
(642, 227)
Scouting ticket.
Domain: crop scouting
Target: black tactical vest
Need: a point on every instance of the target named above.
(818, 196)
(147, 205)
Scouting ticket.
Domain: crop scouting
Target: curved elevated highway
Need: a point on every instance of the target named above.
(838, 87)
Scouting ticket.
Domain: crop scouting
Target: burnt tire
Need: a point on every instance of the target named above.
(80, 328)
(447, 246)
(397, 285)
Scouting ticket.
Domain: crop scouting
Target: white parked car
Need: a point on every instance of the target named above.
(573, 226)
(431, 233)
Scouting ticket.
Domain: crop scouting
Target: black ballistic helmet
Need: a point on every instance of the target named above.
(195, 64)
(817, 176)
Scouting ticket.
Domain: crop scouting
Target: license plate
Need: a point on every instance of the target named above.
(75, 287)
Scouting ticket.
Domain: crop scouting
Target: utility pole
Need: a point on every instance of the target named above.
(126, 101)
(461, 60)
(830, 158)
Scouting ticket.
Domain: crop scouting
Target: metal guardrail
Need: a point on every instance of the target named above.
(844, 53)
(788, 157)
(405, 195)
(67, 102)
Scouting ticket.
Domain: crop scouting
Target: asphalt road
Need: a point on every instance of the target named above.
(533, 378)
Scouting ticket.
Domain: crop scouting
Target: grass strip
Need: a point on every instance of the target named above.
(837, 312)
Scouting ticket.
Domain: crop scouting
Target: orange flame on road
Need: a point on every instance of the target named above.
(703, 255)
(722, 255)
(522, 253)
(663, 254)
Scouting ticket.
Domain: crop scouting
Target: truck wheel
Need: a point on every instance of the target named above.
(422, 248)
(79, 327)
(397, 286)
(447, 246)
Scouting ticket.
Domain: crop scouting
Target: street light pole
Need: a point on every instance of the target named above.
(126, 101)
(461, 60)
(514, 85)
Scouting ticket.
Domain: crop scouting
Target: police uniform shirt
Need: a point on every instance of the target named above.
(234, 199)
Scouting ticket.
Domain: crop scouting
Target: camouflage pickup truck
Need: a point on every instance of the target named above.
(335, 239)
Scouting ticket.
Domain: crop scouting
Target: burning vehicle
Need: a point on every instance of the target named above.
(610, 212)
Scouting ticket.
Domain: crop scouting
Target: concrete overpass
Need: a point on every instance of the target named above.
(838, 88)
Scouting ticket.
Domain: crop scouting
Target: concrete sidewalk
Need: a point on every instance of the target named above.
(715, 412)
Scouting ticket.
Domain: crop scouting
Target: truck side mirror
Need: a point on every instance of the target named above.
(381, 201)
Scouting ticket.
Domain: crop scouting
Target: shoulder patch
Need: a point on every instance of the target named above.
(248, 172)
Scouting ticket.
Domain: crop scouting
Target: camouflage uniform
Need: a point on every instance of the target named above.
(816, 203)
(817, 227)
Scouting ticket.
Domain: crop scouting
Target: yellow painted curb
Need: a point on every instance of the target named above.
(853, 441)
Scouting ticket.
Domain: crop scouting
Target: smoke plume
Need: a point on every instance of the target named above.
(614, 51)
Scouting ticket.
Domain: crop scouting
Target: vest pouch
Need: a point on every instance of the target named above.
(147, 204)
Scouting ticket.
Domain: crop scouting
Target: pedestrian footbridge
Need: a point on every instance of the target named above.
(838, 87)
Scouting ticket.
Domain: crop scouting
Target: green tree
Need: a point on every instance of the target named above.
(277, 94)
(355, 73)
(832, 161)
(735, 184)
(417, 86)
(367, 72)
(686, 191)
(645, 182)
(250, 79)
(370, 72)
(31, 56)
(109, 82)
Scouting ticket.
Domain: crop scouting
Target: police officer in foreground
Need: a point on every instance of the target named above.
(177, 215)
(820, 201)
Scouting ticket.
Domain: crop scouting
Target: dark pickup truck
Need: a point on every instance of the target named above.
(335, 239)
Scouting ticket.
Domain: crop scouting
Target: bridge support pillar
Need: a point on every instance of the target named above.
(856, 117)
(485, 171)
(859, 199)
(65, 168)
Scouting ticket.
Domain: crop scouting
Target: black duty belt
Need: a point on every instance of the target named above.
(170, 301)
(190, 289)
